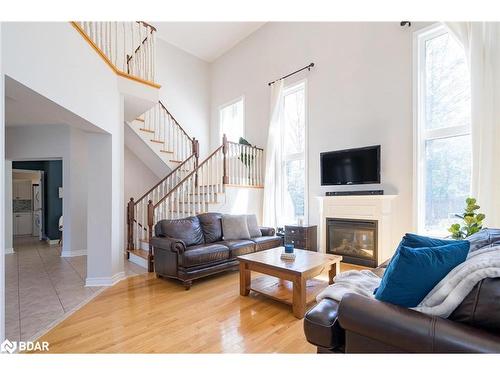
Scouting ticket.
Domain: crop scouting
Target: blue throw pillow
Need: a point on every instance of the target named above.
(414, 241)
(413, 273)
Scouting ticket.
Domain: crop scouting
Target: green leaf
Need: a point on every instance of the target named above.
(480, 217)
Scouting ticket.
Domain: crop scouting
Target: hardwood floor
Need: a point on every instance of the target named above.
(144, 314)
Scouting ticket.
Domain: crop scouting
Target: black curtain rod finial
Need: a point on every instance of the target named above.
(308, 67)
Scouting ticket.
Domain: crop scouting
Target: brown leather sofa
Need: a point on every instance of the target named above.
(190, 248)
(365, 325)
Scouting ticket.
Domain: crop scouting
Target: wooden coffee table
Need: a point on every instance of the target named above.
(291, 282)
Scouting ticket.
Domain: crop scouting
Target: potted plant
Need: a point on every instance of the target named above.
(472, 221)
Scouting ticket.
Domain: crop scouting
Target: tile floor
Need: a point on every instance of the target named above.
(41, 287)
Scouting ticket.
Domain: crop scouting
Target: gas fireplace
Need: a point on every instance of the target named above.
(355, 240)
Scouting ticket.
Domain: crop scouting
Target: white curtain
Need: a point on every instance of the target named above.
(273, 180)
(481, 41)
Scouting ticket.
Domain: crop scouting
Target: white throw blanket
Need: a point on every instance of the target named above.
(442, 299)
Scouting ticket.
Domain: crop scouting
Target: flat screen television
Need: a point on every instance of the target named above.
(351, 167)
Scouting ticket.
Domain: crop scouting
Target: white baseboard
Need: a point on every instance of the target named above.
(52, 242)
(9, 251)
(105, 281)
(138, 260)
(73, 253)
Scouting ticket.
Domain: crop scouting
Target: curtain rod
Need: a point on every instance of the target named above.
(308, 67)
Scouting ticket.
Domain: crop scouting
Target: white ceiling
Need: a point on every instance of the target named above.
(206, 40)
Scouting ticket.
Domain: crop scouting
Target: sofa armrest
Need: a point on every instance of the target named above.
(410, 330)
(169, 243)
(321, 326)
(267, 231)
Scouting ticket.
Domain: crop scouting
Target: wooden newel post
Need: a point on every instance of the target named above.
(151, 209)
(196, 152)
(130, 225)
(225, 177)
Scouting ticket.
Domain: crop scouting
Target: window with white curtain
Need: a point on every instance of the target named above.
(294, 193)
(232, 119)
(443, 130)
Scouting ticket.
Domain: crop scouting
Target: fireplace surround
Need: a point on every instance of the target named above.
(377, 209)
(356, 240)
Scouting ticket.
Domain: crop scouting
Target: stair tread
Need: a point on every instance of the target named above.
(167, 151)
(146, 130)
(175, 161)
(139, 119)
(155, 141)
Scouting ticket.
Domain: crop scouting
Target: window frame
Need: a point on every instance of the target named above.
(287, 90)
(420, 134)
(227, 104)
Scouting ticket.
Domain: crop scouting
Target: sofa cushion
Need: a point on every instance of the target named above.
(211, 225)
(234, 227)
(204, 254)
(481, 307)
(187, 230)
(412, 273)
(239, 247)
(253, 227)
(267, 242)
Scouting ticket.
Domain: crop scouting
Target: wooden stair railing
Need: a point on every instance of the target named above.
(197, 189)
(143, 54)
(168, 132)
(138, 210)
(120, 42)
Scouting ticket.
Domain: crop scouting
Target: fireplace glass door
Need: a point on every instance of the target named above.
(355, 240)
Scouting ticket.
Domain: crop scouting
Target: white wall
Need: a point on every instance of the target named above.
(237, 201)
(185, 90)
(63, 68)
(138, 177)
(2, 207)
(359, 94)
(8, 232)
(66, 70)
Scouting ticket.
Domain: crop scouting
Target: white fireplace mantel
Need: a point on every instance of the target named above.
(361, 207)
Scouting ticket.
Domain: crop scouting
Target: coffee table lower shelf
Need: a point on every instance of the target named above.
(282, 290)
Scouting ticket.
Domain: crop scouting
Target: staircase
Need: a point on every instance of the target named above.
(190, 187)
(165, 137)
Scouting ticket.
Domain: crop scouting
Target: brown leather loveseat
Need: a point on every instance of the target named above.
(359, 324)
(193, 247)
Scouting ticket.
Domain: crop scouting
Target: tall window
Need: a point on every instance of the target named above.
(443, 142)
(231, 117)
(294, 154)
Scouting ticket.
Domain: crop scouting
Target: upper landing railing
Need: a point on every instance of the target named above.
(127, 47)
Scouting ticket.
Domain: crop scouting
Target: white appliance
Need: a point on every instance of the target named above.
(37, 212)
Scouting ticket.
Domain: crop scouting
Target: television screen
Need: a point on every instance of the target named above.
(351, 167)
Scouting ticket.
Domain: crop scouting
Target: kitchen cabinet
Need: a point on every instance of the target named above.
(22, 223)
(21, 189)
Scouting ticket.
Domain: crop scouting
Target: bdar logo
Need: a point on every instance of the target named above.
(8, 347)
